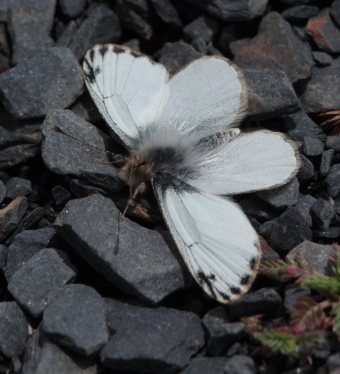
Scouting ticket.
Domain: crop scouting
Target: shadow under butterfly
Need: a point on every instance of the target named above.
(181, 135)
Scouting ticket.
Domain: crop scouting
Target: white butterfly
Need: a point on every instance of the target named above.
(180, 132)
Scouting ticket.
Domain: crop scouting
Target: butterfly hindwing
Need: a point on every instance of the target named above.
(215, 239)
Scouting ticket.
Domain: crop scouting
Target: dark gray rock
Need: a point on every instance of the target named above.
(50, 79)
(76, 320)
(270, 94)
(231, 10)
(283, 197)
(204, 365)
(286, 231)
(158, 340)
(27, 244)
(60, 196)
(333, 181)
(293, 292)
(324, 32)
(100, 26)
(167, 12)
(135, 259)
(299, 125)
(2, 191)
(74, 147)
(31, 218)
(335, 12)
(72, 9)
(29, 26)
(265, 300)
(221, 334)
(3, 256)
(322, 58)
(16, 187)
(254, 207)
(38, 281)
(202, 27)
(304, 205)
(312, 146)
(13, 329)
(4, 6)
(300, 12)
(175, 56)
(322, 212)
(11, 215)
(333, 232)
(18, 154)
(306, 172)
(41, 356)
(317, 256)
(333, 363)
(275, 47)
(20, 133)
(321, 94)
(333, 142)
(240, 364)
(326, 161)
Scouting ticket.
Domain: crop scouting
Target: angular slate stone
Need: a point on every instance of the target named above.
(202, 27)
(333, 181)
(2, 191)
(167, 12)
(270, 94)
(282, 197)
(175, 56)
(60, 196)
(204, 365)
(300, 12)
(76, 319)
(137, 260)
(13, 329)
(321, 93)
(304, 205)
(11, 215)
(4, 6)
(265, 300)
(74, 147)
(326, 161)
(100, 26)
(27, 244)
(38, 281)
(158, 340)
(306, 172)
(322, 58)
(287, 231)
(230, 10)
(30, 24)
(312, 146)
(335, 12)
(50, 79)
(293, 292)
(333, 142)
(317, 256)
(275, 46)
(221, 335)
(322, 212)
(18, 154)
(43, 357)
(299, 125)
(16, 187)
(324, 33)
(240, 364)
(72, 9)
(333, 232)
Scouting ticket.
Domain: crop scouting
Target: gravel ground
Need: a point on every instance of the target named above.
(66, 305)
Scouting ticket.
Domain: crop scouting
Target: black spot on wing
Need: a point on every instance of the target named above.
(252, 263)
(97, 70)
(235, 290)
(245, 280)
(224, 296)
(89, 73)
(103, 50)
(205, 281)
(91, 54)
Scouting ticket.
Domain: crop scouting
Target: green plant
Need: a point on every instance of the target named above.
(311, 319)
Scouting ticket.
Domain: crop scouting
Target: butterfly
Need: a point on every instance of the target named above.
(182, 137)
